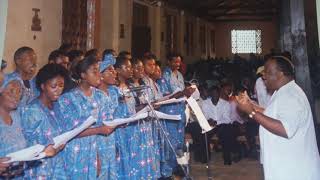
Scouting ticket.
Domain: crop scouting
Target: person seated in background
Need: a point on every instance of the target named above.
(25, 60)
(198, 138)
(217, 109)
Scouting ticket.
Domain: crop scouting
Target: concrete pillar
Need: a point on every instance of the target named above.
(110, 24)
(294, 40)
(298, 34)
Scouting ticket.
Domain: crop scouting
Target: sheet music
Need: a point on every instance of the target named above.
(141, 115)
(196, 93)
(65, 137)
(171, 101)
(120, 121)
(161, 115)
(28, 154)
(199, 114)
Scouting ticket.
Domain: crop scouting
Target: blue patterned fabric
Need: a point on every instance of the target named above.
(143, 161)
(175, 129)
(176, 81)
(107, 61)
(40, 126)
(11, 137)
(107, 149)
(121, 133)
(28, 94)
(81, 153)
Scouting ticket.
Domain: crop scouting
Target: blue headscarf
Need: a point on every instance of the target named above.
(107, 61)
(6, 82)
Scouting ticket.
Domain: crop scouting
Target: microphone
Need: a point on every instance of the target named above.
(136, 89)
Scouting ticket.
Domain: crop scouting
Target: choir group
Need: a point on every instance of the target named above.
(62, 95)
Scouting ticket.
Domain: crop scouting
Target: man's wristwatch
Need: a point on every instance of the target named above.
(252, 114)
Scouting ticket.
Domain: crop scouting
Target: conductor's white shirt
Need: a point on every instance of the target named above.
(261, 92)
(219, 112)
(295, 157)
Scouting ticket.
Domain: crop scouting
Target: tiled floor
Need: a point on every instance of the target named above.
(246, 169)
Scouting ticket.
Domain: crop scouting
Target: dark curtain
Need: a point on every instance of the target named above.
(74, 20)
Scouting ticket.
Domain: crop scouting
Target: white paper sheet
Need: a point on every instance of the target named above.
(161, 115)
(187, 112)
(196, 93)
(171, 101)
(141, 115)
(65, 137)
(28, 154)
(120, 121)
(199, 114)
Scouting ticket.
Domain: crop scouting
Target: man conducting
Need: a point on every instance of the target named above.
(287, 132)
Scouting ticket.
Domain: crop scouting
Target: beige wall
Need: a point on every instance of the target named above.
(223, 35)
(126, 7)
(18, 30)
(116, 12)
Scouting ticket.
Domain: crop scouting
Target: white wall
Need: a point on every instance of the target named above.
(18, 30)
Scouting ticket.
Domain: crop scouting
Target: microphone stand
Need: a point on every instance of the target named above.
(207, 152)
(157, 120)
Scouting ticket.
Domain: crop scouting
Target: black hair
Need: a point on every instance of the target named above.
(83, 66)
(91, 52)
(19, 52)
(50, 71)
(73, 54)
(108, 51)
(124, 53)
(284, 65)
(54, 55)
(158, 63)
(135, 61)
(225, 82)
(147, 58)
(120, 61)
(214, 88)
(172, 55)
(65, 47)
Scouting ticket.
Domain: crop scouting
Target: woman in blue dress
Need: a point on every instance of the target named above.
(165, 150)
(175, 81)
(148, 127)
(108, 151)
(82, 154)
(12, 138)
(141, 163)
(40, 124)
